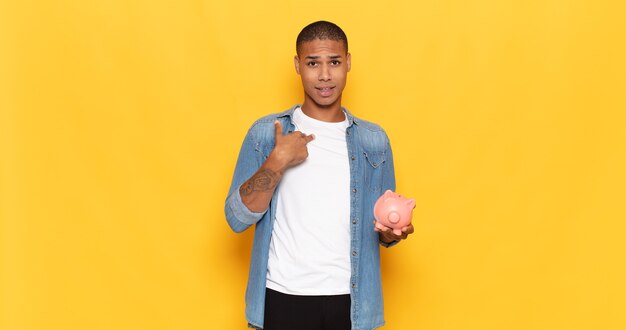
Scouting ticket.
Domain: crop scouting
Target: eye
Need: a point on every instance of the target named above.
(335, 62)
(311, 63)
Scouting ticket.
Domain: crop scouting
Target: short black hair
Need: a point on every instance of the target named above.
(321, 30)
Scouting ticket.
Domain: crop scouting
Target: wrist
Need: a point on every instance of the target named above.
(387, 244)
(386, 240)
(276, 163)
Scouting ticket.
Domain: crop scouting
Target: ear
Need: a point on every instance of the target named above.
(348, 61)
(410, 203)
(296, 63)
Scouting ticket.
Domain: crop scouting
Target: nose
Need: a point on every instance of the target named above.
(324, 73)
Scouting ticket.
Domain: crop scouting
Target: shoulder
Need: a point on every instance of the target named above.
(263, 128)
(368, 125)
(371, 135)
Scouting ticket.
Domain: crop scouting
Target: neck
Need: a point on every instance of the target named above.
(331, 113)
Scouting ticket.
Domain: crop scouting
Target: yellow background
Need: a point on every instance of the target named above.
(120, 122)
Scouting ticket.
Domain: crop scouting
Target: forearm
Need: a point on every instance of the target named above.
(257, 192)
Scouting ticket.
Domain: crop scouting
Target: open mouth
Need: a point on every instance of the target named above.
(325, 91)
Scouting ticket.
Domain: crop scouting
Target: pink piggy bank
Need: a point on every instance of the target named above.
(393, 211)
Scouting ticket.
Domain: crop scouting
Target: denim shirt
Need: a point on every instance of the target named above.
(371, 173)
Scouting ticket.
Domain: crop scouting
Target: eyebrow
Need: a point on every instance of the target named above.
(315, 57)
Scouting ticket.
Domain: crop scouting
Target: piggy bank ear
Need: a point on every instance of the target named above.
(410, 203)
(388, 194)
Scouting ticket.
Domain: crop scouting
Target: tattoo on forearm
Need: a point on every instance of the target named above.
(263, 180)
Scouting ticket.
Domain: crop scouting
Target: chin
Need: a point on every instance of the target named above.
(325, 102)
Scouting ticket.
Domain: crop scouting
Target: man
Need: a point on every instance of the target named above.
(308, 178)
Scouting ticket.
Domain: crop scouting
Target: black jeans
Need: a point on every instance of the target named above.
(291, 312)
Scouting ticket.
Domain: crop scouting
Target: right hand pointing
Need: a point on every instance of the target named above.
(290, 149)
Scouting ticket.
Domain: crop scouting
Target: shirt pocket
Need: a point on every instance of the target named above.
(375, 162)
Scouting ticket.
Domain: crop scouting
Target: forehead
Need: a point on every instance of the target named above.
(325, 47)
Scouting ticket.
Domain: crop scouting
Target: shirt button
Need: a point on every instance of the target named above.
(353, 158)
(354, 253)
(353, 285)
(353, 190)
(354, 221)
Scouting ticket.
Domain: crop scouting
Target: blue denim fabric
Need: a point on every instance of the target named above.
(371, 173)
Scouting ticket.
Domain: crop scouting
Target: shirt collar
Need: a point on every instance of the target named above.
(289, 113)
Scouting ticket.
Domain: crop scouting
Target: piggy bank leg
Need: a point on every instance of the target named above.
(397, 232)
(380, 226)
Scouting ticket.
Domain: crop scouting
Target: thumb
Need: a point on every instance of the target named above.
(279, 128)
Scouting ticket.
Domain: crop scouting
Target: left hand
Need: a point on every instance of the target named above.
(386, 234)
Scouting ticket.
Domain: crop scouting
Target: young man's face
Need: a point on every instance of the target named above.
(323, 66)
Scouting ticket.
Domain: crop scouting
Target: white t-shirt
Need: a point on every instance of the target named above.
(310, 246)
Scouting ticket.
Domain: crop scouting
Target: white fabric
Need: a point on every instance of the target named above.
(310, 246)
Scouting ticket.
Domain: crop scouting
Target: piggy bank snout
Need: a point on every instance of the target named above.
(393, 217)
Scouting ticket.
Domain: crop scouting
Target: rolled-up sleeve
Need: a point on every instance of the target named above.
(238, 216)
